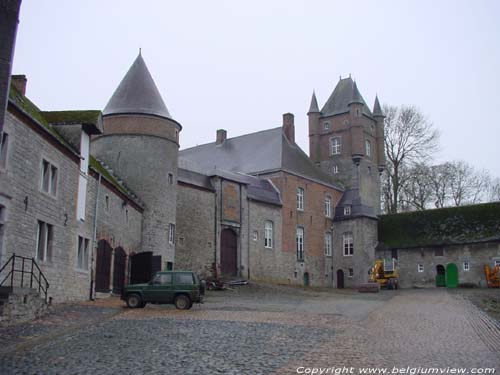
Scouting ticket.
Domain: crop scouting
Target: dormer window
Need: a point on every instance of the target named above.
(347, 210)
(326, 125)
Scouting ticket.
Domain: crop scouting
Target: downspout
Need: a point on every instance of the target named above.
(248, 239)
(241, 233)
(215, 236)
(94, 238)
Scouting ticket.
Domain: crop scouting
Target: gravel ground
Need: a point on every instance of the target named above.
(257, 329)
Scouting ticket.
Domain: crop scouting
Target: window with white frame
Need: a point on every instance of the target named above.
(83, 178)
(466, 266)
(171, 233)
(45, 235)
(328, 206)
(326, 125)
(82, 259)
(350, 273)
(347, 210)
(328, 244)
(299, 243)
(268, 234)
(49, 178)
(335, 169)
(368, 148)
(300, 199)
(4, 145)
(347, 239)
(420, 268)
(335, 145)
(255, 235)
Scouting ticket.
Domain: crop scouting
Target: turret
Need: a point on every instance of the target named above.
(314, 133)
(141, 143)
(356, 110)
(379, 116)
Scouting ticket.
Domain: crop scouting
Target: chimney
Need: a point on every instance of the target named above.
(19, 82)
(221, 136)
(289, 127)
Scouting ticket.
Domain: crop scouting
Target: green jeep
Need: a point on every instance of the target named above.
(183, 288)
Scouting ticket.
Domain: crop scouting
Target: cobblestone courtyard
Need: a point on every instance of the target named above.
(257, 330)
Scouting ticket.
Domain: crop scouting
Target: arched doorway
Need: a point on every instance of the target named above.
(440, 276)
(340, 279)
(103, 266)
(119, 270)
(451, 275)
(228, 253)
(306, 278)
(141, 267)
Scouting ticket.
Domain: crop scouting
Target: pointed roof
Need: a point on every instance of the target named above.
(345, 92)
(313, 108)
(137, 94)
(377, 110)
(275, 152)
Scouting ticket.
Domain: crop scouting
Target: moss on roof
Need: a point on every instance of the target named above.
(72, 117)
(98, 167)
(444, 226)
(32, 110)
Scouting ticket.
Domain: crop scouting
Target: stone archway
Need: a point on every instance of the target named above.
(440, 276)
(228, 253)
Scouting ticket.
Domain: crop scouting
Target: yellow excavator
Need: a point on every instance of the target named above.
(385, 274)
(492, 276)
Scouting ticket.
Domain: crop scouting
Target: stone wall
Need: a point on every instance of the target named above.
(195, 248)
(477, 255)
(364, 232)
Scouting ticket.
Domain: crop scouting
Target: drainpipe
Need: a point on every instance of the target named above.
(94, 238)
(248, 238)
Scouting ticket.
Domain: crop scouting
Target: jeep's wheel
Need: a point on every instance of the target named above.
(182, 302)
(134, 301)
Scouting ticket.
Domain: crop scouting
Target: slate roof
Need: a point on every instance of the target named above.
(313, 108)
(137, 94)
(256, 154)
(352, 198)
(377, 110)
(345, 92)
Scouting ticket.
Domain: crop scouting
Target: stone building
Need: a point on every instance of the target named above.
(104, 198)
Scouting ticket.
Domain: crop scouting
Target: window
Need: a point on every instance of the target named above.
(45, 234)
(326, 126)
(335, 169)
(82, 261)
(350, 273)
(347, 210)
(163, 279)
(106, 203)
(420, 268)
(328, 206)
(300, 199)
(49, 178)
(394, 253)
(328, 244)
(466, 266)
(184, 278)
(299, 241)
(170, 179)
(268, 234)
(82, 181)
(497, 262)
(171, 233)
(368, 148)
(255, 235)
(357, 112)
(348, 244)
(4, 144)
(335, 145)
(126, 216)
(439, 252)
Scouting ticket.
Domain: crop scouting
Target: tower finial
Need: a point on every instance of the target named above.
(140, 51)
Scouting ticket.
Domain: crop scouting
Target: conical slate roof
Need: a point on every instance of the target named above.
(377, 110)
(137, 94)
(345, 92)
(314, 104)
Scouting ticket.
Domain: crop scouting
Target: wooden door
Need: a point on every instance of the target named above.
(119, 263)
(340, 279)
(228, 253)
(451, 275)
(103, 266)
(440, 276)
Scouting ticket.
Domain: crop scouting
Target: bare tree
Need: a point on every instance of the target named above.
(418, 192)
(440, 181)
(409, 138)
(494, 190)
(467, 186)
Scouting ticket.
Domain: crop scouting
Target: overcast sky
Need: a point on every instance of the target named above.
(239, 65)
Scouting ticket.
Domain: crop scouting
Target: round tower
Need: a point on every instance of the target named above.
(140, 143)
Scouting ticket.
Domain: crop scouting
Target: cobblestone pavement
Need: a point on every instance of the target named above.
(257, 330)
